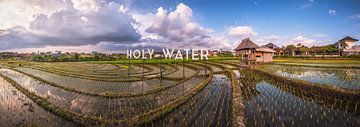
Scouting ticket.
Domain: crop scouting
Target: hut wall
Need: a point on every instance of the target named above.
(264, 57)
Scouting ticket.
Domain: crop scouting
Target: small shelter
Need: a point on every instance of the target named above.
(347, 46)
(272, 46)
(346, 43)
(252, 53)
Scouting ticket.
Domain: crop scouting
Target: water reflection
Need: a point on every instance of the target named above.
(108, 108)
(210, 107)
(18, 110)
(275, 107)
(346, 78)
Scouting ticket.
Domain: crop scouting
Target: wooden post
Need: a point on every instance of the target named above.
(205, 69)
(129, 68)
(143, 76)
(161, 75)
(183, 84)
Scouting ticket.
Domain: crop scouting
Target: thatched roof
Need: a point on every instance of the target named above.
(246, 44)
(271, 45)
(348, 38)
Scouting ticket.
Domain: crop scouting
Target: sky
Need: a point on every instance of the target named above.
(118, 25)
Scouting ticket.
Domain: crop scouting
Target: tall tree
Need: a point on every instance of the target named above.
(291, 48)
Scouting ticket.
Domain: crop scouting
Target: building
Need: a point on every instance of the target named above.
(346, 43)
(347, 46)
(278, 50)
(272, 46)
(354, 50)
(214, 53)
(252, 53)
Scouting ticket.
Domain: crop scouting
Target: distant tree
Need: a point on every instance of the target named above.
(97, 58)
(291, 48)
(304, 49)
(76, 56)
(328, 49)
(299, 45)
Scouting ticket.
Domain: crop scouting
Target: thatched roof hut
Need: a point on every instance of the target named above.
(272, 46)
(251, 52)
(246, 44)
(348, 38)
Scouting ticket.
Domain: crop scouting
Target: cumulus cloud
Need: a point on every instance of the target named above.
(77, 22)
(177, 29)
(107, 26)
(288, 40)
(303, 40)
(299, 39)
(241, 31)
(275, 39)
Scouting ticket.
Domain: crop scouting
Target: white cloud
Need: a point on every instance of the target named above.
(263, 40)
(82, 48)
(287, 40)
(272, 37)
(87, 5)
(303, 40)
(177, 29)
(144, 21)
(76, 22)
(105, 26)
(241, 31)
(332, 12)
(321, 35)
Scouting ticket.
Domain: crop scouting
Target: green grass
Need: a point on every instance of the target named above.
(328, 63)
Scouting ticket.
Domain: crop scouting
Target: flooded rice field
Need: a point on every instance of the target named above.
(179, 94)
(275, 107)
(340, 77)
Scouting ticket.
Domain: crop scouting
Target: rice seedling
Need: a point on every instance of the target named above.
(178, 93)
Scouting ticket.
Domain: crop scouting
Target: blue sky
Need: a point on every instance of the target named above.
(116, 25)
(269, 17)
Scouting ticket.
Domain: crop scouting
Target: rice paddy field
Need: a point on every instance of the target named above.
(222, 93)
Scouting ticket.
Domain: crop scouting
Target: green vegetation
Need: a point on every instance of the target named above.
(270, 99)
(317, 61)
(75, 57)
(331, 63)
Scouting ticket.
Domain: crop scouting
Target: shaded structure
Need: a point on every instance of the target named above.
(278, 50)
(347, 46)
(251, 53)
(272, 46)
